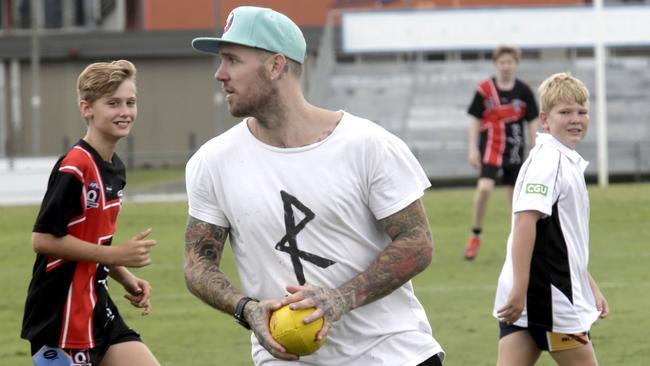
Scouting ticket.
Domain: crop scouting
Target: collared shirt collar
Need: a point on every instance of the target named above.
(573, 155)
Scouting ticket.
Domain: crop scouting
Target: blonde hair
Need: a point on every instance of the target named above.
(504, 49)
(103, 78)
(562, 88)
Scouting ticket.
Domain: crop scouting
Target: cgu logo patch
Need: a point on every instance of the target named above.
(536, 188)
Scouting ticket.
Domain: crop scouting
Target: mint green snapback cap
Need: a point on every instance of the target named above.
(262, 28)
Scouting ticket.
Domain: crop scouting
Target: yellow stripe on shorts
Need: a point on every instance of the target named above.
(561, 341)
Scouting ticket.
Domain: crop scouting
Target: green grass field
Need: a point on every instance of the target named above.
(457, 295)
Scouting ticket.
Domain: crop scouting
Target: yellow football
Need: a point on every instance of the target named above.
(291, 332)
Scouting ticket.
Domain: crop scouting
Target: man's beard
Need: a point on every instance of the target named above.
(261, 98)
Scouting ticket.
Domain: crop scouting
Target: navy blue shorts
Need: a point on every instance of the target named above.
(435, 360)
(548, 341)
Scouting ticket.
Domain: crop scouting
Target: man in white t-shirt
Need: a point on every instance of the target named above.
(546, 299)
(323, 209)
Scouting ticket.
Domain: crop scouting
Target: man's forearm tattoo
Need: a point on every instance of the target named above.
(204, 244)
(408, 254)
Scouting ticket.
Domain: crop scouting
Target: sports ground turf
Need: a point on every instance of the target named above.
(457, 295)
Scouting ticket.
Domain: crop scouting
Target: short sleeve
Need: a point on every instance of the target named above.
(202, 199)
(476, 108)
(62, 202)
(396, 177)
(538, 190)
(532, 110)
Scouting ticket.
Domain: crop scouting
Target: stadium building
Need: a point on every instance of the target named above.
(418, 86)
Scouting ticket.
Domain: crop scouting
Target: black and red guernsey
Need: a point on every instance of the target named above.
(502, 114)
(67, 302)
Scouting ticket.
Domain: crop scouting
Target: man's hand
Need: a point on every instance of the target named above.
(329, 304)
(258, 315)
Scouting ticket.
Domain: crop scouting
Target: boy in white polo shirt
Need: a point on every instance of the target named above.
(546, 299)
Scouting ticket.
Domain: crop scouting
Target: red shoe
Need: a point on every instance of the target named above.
(471, 250)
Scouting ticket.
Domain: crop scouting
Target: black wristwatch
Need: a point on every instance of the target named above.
(239, 311)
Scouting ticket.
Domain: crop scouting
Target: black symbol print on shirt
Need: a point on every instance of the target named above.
(288, 242)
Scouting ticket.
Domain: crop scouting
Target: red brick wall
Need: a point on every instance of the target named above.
(200, 14)
(178, 14)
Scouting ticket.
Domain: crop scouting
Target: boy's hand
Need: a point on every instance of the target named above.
(139, 294)
(602, 306)
(135, 251)
(601, 302)
(511, 311)
(474, 158)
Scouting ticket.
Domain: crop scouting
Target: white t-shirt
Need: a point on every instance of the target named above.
(559, 296)
(311, 214)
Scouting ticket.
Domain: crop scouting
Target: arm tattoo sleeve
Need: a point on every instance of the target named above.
(408, 254)
(204, 244)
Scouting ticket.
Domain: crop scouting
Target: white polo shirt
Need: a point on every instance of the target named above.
(559, 296)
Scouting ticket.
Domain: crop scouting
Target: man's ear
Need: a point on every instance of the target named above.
(279, 66)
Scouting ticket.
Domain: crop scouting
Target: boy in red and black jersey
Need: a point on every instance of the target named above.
(502, 108)
(75, 204)
(69, 314)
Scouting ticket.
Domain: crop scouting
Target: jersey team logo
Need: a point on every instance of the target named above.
(80, 357)
(536, 188)
(92, 195)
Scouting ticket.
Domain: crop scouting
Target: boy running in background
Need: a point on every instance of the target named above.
(502, 108)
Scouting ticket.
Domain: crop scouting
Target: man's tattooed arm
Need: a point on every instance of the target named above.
(409, 254)
(204, 244)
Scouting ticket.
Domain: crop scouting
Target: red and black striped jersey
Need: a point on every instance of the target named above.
(67, 302)
(502, 114)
